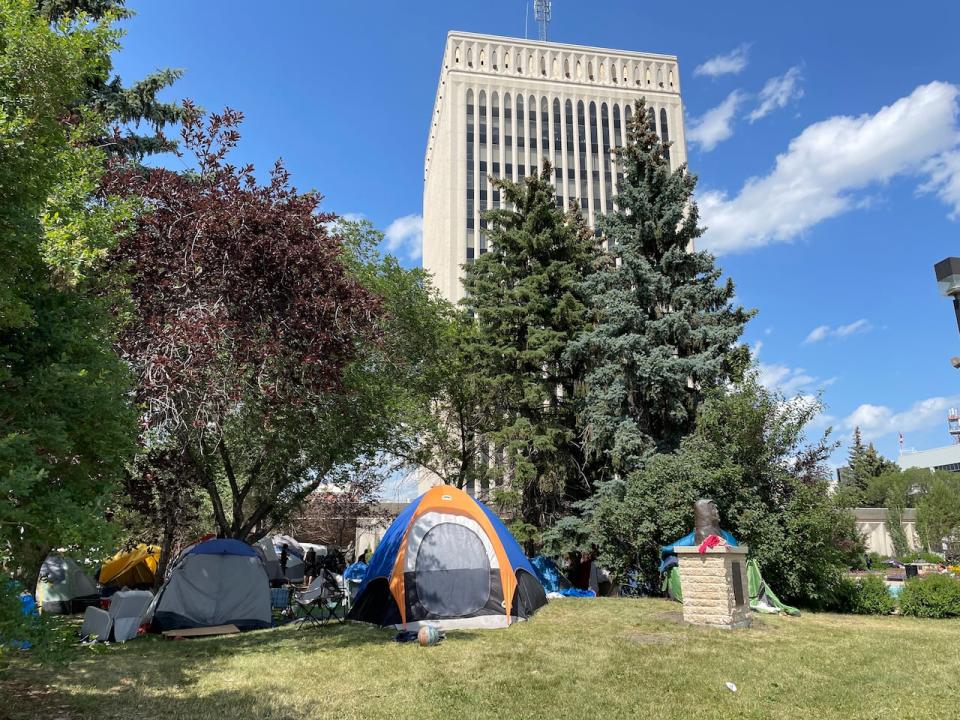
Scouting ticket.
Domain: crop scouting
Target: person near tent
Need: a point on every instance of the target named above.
(284, 557)
(309, 566)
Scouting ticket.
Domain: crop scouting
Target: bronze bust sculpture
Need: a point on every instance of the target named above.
(706, 520)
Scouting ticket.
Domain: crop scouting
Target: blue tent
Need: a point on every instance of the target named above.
(448, 561)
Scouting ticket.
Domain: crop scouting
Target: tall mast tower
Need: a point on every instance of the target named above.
(541, 11)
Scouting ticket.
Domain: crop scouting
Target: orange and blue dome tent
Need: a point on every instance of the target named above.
(136, 567)
(447, 561)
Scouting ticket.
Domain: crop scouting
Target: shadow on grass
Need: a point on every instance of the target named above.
(92, 703)
(165, 672)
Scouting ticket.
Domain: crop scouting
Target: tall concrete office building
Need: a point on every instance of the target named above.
(503, 105)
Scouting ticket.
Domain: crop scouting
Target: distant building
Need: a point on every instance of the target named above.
(942, 458)
(370, 529)
(844, 475)
(873, 525)
(504, 105)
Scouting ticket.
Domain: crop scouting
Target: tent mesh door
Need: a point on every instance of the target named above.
(452, 571)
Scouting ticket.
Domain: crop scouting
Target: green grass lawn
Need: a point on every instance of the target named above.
(575, 659)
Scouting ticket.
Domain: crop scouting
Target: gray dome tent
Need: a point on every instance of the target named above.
(270, 547)
(63, 587)
(217, 582)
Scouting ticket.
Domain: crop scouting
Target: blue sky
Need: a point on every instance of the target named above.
(825, 135)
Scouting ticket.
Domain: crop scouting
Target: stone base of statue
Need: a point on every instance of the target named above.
(714, 586)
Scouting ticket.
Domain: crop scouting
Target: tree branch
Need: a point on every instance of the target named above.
(211, 487)
(267, 506)
(234, 488)
(254, 471)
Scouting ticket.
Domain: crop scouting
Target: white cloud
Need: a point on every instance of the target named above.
(822, 332)
(876, 421)
(404, 236)
(777, 92)
(785, 379)
(816, 178)
(944, 173)
(857, 326)
(789, 381)
(716, 125)
(799, 388)
(730, 64)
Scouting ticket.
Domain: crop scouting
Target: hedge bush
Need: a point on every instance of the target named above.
(873, 597)
(933, 596)
(868, 595)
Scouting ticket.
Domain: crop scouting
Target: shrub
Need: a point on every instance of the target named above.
(841, 596)
(864, 596)
(934, 596)
(873, 597)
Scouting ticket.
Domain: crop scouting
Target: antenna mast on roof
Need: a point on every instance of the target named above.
(541, 10)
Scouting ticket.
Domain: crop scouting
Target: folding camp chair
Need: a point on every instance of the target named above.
(122, 621)
(322, 602)
(281, 603)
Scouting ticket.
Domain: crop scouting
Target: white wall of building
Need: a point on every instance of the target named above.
(506, 69)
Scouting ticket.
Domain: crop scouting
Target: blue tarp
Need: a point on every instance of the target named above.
(356, 571)
(666, 552)
(28, 606)
(553, 580)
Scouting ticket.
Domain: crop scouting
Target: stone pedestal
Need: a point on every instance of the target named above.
(714, 586)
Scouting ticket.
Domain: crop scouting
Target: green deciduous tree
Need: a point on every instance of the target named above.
(66, 427)
(528, 301)
(666, 329)
(448, 427)
(938, 512)
(749, 455)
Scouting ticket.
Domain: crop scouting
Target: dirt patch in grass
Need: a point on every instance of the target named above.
(647, 639)
(675, 617)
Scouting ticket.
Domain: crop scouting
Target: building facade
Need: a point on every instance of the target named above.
(503, 105)
(942, 458)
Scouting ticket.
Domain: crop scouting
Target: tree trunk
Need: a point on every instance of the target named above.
(164, 562)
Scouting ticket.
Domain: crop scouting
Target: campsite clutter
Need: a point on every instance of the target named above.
(446, 562)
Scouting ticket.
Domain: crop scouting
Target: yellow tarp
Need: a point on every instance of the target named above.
(131, 567)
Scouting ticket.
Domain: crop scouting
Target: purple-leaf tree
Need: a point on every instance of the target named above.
(244, 323)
